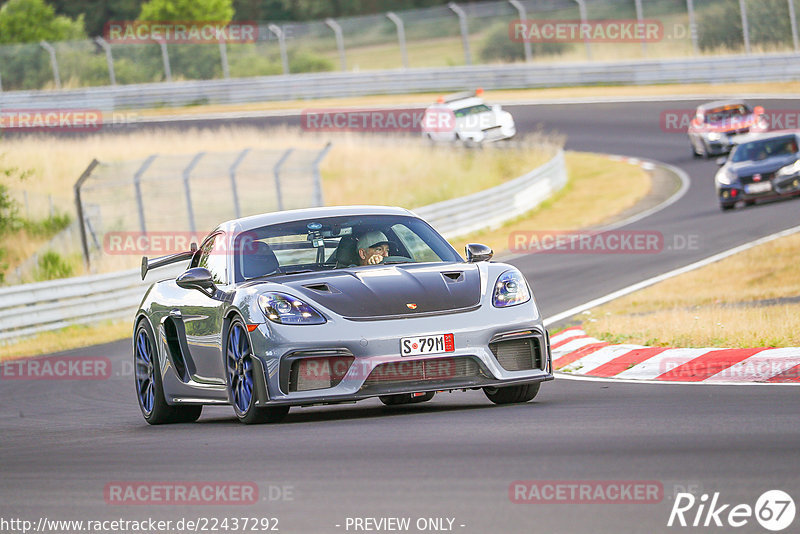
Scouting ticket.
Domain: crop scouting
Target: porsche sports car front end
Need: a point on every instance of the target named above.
(331, 305)
(419, 328)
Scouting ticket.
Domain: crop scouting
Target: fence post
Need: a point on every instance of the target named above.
(584, 20)
(462, 22)
(1, 84)
(401, 36)
(692, 25)
(318, 200)
(234, 188)
(745, 26)
(79, 208)
(109, 58)
(793, 21)
(523, 15)
(137, 178)
(274, 28)
(337, 30)
(53, 62)
(223, 57)
(187, 172)
(276, 171)
(640, 20)
(165, 60)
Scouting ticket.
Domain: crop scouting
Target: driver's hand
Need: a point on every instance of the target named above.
(375, 259)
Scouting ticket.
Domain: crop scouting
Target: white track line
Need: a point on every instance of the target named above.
(671, 274)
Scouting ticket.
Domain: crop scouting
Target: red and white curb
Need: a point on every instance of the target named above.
(576, 353)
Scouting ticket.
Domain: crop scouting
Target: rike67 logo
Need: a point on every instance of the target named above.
(774, 510)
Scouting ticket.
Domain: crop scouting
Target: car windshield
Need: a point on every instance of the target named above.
(727, 114)
(328, 243)
(767, 148)
(471, 110)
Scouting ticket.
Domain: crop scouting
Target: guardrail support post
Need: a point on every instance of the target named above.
(337, 30)
(692, 25)
(165, 60)
(318, 200)
(223, 57)
(401, 36)
(584, 20)
(1, 84)
(274, 28)
(745, 26)
(79, 208)
(234, 188)
(53, 62)
(640, 19)
(276, 171)
(523, 15)
(137, 179)
(462, 22)
(109, 58)
(187, 174)
(792, 18)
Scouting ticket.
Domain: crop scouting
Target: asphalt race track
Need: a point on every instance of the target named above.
(63, 442)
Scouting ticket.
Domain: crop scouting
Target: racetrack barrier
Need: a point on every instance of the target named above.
(719, 69)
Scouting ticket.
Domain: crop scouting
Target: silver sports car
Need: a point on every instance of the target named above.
(331, 305)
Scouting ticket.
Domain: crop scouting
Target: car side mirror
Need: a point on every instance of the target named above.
(196, 278)
(477, 252)
(721, 160)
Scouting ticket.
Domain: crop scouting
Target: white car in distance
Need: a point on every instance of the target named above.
(465, 117)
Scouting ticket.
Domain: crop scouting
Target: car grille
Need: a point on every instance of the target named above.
(430, 370)
(518, 354)
(765, 177)
(319, 372)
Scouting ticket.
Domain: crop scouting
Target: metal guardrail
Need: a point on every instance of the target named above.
(492, 207)
(45, 306)
(735, 68)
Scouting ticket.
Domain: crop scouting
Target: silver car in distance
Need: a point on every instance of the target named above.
(332, 305)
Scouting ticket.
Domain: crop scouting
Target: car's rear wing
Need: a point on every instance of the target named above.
(155, 263)
(461, 96)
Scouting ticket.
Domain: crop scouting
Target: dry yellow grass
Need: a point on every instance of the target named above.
(67, 338)
(697, 309)
(359, 169)
(579, 204)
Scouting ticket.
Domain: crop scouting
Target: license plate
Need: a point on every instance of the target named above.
(762, 187)
(411, 346)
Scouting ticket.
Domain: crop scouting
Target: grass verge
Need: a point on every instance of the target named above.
(71, 337)
(580, 204)
(739, 302)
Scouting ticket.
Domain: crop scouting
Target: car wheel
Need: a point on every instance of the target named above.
(704, 152)
(695, 153)
(405, 398)
(512, 394)
(149, 388)
(241, 384)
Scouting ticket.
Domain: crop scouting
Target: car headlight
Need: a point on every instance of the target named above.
(789, 170)
(286, 309)
(510, 290)
(725, 177)
(714, 136)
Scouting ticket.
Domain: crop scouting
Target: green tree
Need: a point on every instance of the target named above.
(31, 21)
(184, 10)
(720, 26)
